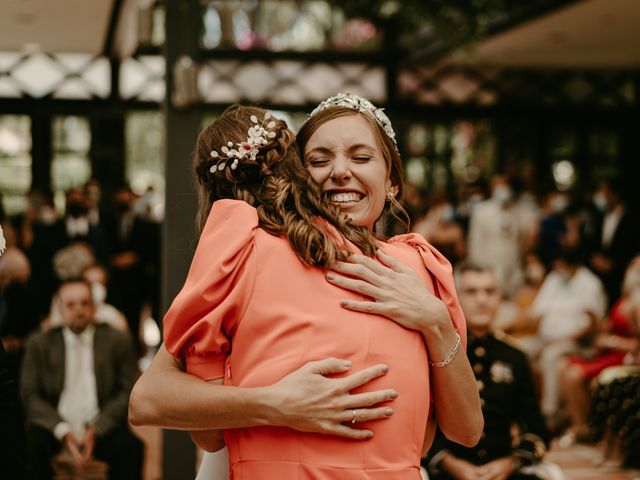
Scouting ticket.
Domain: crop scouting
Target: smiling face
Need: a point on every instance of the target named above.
(345, 159)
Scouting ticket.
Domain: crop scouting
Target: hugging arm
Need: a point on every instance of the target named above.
(399, 294)
(305, 400)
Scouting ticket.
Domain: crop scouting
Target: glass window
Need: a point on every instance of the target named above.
(157, 32)
(293, 119)
(71, 165)
(15, 162)
(448, 154)
(63, 75)
(211, 27)
(519, 143)
(144, 168)
(287, 82)
(563, 144)
(142, 78)
(604, 153)
(279, 25)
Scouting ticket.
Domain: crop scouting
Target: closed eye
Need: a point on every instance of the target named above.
(318, 162)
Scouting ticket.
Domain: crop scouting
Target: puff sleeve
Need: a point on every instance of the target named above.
(441, 274)
(203, 316)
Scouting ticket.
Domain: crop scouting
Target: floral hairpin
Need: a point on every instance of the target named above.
(257, 136)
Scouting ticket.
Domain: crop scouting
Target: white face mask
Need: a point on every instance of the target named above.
(48, 216)
(560, 204)
(475, 198)
(564, 275)
(502, 193)
(447, 213)
(534, 273)
(98, 292)
(600, 201)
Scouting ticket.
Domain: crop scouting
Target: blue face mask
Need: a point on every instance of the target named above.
(447, 213)
(600, 201)
(560, 204)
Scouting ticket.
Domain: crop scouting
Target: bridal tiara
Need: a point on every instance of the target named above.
(362, 105)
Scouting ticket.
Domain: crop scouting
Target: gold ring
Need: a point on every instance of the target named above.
(355, 418)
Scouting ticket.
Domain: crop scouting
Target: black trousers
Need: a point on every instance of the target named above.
(120, 449)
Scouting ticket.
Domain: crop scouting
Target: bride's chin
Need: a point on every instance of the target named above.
(345, 206)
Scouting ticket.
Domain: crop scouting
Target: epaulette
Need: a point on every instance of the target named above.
(509, 340)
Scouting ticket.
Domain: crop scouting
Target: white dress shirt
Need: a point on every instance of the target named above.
(494, 241)
(563, 303)
(610, 224)
(77, 227)
(78, 404)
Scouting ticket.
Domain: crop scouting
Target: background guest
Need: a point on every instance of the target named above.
(507, 395)
(76, 382)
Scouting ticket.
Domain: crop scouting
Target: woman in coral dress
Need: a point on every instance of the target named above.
(255, 307)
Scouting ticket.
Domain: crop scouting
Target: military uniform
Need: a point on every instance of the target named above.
(508, 397)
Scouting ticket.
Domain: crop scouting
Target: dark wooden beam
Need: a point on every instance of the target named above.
(178, 229)
(116, 8)
(377, 57)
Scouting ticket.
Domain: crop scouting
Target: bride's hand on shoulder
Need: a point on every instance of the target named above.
(395, 291)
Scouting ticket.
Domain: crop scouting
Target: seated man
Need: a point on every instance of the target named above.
(507, 397)
(75, 384)
(570, 299)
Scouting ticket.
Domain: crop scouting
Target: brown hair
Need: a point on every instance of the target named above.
(287, 200)
(73, 281)
(387, 147)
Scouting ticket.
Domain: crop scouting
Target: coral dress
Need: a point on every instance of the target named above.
(252, 312)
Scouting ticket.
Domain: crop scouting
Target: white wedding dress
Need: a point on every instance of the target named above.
(214, 466)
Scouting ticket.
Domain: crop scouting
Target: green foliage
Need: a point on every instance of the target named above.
(454, 22)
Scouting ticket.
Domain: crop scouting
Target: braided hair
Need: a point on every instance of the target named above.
(286, 198)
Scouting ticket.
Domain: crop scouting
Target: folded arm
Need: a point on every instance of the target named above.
(209, 440)
(305, 400)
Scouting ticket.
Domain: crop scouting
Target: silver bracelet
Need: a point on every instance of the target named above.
(450, 357)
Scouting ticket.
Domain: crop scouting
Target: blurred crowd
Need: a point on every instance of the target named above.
(113, 243)
(567, 265)
(94, 270)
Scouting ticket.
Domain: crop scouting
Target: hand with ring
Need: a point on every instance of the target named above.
(309, 401)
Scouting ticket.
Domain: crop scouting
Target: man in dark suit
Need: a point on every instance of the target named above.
(617, 238)
(75, 384)
(507, 396)
(74, 227)
(132, 241)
